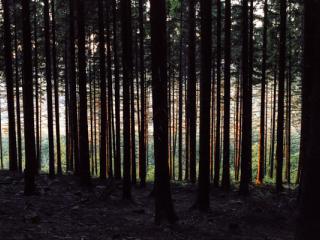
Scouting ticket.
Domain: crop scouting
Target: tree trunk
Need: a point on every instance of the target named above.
(163, 202)
(217, 156)
(192, 111)
(203, 199)
(308, 221)
(126, 33)
(56, 87)
(226, 144)
(117, 161)
(28, 109)
(83, 115)
(73, 92)
(261, 154)
(13, 164)
(103, 93)
(280, 120)
(48, 76)
(246, 128)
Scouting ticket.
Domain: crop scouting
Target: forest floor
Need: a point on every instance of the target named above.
(62, 210)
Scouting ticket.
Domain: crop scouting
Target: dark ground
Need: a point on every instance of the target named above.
(64, 211)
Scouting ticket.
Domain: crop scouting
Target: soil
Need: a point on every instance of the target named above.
(63, 210)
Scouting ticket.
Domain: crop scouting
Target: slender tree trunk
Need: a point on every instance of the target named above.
(117, 163)
(217, 157)
(28, 109)
(110, 98)
(83, 116)
(280, 120)
(246, 128)
(180, 92)
(73, 92)
(226, 144)
(192, 81)
(17, 92)
(273, 127)
(103, 93)
(203, 199)
(56, 87)
(126, 33)
(142, 136)
(36, 76)
(13, 164)
(261, 157)
(48, 76)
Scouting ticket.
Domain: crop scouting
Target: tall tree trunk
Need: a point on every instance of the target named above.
(203, 199)
(163, 202)
(261, 157)
(142, 134)
(73, 92)
(250, 72)
(217, 156)
(110, 98)
(37, 86)
(126, 33)
(288, 112)
(117, 162)
(246, 128)
(308, 221)
(280, 121)
(28, 109)
(273, 123)
(13, 164)
(48, 76)
(56, 87)
(103, 93)
(226, 144)
(83, 116)
(192, 81)
(17, 92)
(181, 73)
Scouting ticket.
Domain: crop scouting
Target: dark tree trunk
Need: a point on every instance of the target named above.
(110, 98)
(261, 157)
(17, 92)
(48, 76)
(250, 76)
(192, 81)
(126, 33)
(117, 161)
(37, 86)
(246, 128)
(308, 221)
(83, 116)
(56, 87)
(280, 122)
(181, 73)
(13, 164)
(73, 92)
(203, 199)
(142, 134)
(103, 93)
(217, 152)
(30, 153)
(163, 202)
(273, 123)
(226, 144)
